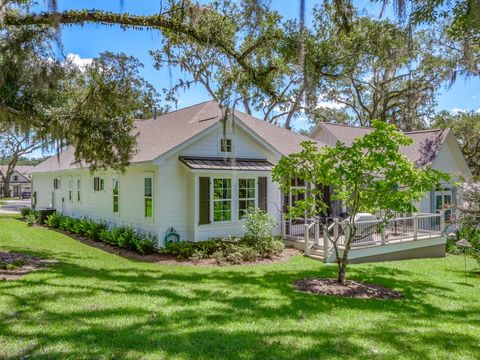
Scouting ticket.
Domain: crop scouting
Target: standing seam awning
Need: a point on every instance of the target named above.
(202, 163)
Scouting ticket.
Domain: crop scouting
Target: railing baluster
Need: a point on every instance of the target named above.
(415, 227)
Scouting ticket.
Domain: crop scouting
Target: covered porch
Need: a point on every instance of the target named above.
(415, 236)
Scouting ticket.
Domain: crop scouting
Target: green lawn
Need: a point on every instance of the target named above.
(96, 305)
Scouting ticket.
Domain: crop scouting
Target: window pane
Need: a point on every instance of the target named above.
(102, 184)
(222, 203)
(148, 186)
(148, 207)
(115, 187)
(115, 204)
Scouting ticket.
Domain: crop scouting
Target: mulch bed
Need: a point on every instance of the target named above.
(168, 259)
(29, 263)
(352, 289)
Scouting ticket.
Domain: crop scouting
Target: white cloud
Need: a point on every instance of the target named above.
(330, 104)
(79, 61)
(457, 110)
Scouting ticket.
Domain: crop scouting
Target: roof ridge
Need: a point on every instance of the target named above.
(177, 110)
(345, 125)
(423, 131)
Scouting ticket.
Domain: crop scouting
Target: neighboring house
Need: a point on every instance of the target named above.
(19, 181)
(193, 172)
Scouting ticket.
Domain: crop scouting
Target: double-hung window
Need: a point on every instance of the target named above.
(115, 195)
(148, 195)
(222, 200)
(246, 196)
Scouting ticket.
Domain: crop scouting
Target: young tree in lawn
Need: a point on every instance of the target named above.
(369, 176)
(13, 146)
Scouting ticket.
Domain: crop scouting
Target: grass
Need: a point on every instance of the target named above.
(94, 304)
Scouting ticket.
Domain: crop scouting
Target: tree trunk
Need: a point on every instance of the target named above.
(6, 186)
(342, 268)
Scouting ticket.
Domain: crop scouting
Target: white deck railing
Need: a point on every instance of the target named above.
(367, 234)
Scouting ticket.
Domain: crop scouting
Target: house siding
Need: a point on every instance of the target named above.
(449, 160)
(99, 204)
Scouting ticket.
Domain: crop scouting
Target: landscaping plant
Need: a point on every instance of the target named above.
(124, 237)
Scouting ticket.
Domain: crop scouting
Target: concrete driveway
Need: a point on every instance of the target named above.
(14, 206)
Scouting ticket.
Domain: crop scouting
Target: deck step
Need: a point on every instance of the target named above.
(316, 257)
(316, 252)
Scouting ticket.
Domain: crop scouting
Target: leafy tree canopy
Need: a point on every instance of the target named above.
(91, 108)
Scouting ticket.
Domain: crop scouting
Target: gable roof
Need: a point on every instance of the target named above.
(423, 150)
(21, 169)
(158, 136)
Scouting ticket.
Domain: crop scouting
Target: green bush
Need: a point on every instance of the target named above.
(122, 236)
(106, 236)
(259, 224)
(25, 212)
(31, 219)
(268, 246)
(93, 229)
(186, 249)
(54, 219)
(232, 250)
(145, 244)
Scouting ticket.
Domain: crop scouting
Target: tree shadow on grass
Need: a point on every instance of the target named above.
(222, 313)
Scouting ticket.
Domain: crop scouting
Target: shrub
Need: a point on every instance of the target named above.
(54, 219)
(67, 223)
(78, 226)
(186, 249)
(31, 219)
(25, 212)
(268, 246)
(145, 244)
(93, 229)
(259, 224)
(122, 236)
(14, 265)
(106, 236)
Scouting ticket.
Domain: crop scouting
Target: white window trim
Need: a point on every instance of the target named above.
(232, 200)
(220, 139)
(235, 197)
(255, 178)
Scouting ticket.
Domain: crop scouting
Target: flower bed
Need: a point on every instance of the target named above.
(122, 236)
(229, 250)
(257, 244)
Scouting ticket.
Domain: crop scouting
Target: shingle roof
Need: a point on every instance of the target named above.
(158, 136)
(22, 169)
(424, 149)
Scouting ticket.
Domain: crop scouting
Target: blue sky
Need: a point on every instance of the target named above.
(90, 40)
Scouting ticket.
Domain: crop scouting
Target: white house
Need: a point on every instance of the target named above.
(199, 174)
(19, 180)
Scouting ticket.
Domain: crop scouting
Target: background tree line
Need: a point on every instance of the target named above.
(246, 56)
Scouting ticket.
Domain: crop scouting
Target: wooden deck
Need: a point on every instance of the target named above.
(417, 236)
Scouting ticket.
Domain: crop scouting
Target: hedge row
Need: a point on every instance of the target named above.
(122, 236)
